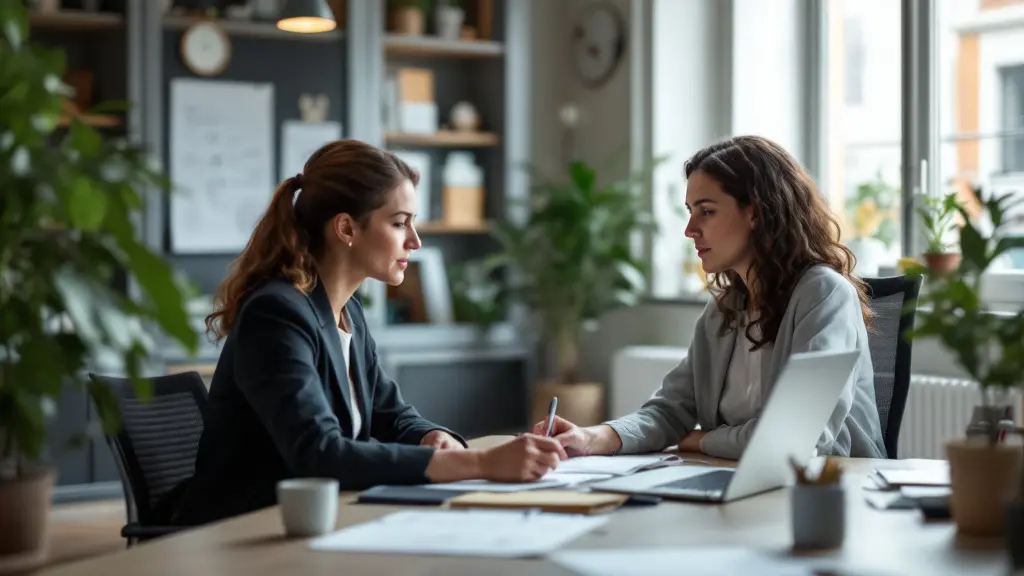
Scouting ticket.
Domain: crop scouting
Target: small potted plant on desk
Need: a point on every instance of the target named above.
(938, 218)
(570, 263)
(67, 244)
(985, 473)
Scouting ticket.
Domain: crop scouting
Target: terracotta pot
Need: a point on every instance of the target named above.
(24, 512)
(581, 403)
(984, 479)
(407, 21)
(942, 263)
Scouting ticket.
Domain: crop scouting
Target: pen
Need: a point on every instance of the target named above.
(551, 414)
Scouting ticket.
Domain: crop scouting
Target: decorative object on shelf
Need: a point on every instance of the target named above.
(306, 17)
(874, 212)
(463, 191)
(240, 12)
(60, 255)
(571, 251)
(45, 6)
(314, 108)
(985, 474)
(598, 42)
(205, 48)
(82, 83)
(485, 19)
(448, 18)
(417, 109)
(938, 219)
(407, 16)
(464, 117)
(265, 9)
(424, 295)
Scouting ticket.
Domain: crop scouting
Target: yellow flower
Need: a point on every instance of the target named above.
(866, 219)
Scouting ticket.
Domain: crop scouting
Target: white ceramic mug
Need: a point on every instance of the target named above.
(309, 506)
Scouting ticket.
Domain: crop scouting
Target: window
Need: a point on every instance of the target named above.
(854, 52)
(864, 129)
(979, 78)
(1012, 120)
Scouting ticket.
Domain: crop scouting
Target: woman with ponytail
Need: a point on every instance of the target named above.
(299, 389)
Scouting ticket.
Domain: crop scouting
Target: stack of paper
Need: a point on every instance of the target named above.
(501, 533)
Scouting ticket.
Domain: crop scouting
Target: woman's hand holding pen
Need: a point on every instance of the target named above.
(581, 441)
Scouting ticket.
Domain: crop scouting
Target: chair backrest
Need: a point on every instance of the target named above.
(891, 350)
(156, 448)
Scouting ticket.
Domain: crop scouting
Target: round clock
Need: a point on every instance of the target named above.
(205, 48)
(598, 43)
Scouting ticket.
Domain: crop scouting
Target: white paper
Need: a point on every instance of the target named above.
(550, 480)
(713, 561)
(462, 533)
(617, 465)
(221, 162)
(299, 140)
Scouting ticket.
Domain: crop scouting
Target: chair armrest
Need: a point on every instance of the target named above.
(135, 530)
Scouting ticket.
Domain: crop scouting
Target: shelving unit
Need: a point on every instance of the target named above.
(444, 139)
(426, 47)
(438, 228)
(76, 21)
(252, 29)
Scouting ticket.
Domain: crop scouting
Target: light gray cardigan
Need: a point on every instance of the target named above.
(823, 314)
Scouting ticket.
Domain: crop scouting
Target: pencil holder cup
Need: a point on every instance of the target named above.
(818, 516)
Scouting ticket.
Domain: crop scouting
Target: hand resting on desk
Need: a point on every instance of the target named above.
(441, 440)
(691, 442)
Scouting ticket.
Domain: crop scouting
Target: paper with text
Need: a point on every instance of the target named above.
(500, 533)
(221, 163)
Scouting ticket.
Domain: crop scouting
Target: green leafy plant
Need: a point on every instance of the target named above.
(874, 209)
(938, 219)
(988, 346)
(70, 199)
(477, 296)
(571, 254)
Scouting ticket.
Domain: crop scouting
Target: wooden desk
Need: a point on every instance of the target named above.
(879, 542)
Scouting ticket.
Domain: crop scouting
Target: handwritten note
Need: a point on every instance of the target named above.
(221, 162)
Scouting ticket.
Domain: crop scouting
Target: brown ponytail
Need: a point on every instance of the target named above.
(347, 176)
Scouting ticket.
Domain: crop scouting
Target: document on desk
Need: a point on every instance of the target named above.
(497, 533)
(695, 561)
(615, 465)
(555, 479)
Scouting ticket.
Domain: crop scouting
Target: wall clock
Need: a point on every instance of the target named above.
(205, 48)
(598, 43)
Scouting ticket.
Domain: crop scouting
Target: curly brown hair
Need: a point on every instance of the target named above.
(794, 230)
(342, 177)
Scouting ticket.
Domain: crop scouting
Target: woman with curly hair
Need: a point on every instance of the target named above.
(782, 283)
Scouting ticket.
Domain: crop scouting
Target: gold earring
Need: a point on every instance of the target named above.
(349, 244)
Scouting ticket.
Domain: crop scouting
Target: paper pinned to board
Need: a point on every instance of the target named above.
(221, 163)
(497, 533)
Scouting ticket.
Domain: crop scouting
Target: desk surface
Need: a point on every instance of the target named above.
(877, 542)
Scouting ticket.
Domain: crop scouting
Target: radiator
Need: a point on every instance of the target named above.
(938, 410)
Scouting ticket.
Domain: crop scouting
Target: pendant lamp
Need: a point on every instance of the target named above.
(306, 17)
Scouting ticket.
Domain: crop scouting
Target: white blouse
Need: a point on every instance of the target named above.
(346, 350)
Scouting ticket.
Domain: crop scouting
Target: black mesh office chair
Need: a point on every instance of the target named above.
(156, 448)
(890, 351)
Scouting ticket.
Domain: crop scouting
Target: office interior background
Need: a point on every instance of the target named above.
(882, 100)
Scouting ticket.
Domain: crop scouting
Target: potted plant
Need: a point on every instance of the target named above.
(938, 218)
(407, 16)
(70, 197)
(571, 260)
(874, 210)
(985, 474)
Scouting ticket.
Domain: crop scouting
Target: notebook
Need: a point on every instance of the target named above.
(565, 501)
(406, 495)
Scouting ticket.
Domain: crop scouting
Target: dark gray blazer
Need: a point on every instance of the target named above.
(278, 409)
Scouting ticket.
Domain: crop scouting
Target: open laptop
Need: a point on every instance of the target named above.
(790, 424)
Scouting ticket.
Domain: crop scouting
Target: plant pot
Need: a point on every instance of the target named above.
(581, 403)
(24, 513)
(407, 21)
(941, 263)
(984, 479)
(1015, 533)
(448, 22)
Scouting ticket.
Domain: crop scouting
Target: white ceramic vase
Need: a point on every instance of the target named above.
(449, 22)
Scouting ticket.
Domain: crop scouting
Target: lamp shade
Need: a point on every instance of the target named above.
(306, 17)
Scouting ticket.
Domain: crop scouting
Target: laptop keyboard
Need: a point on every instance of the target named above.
(712, 482)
